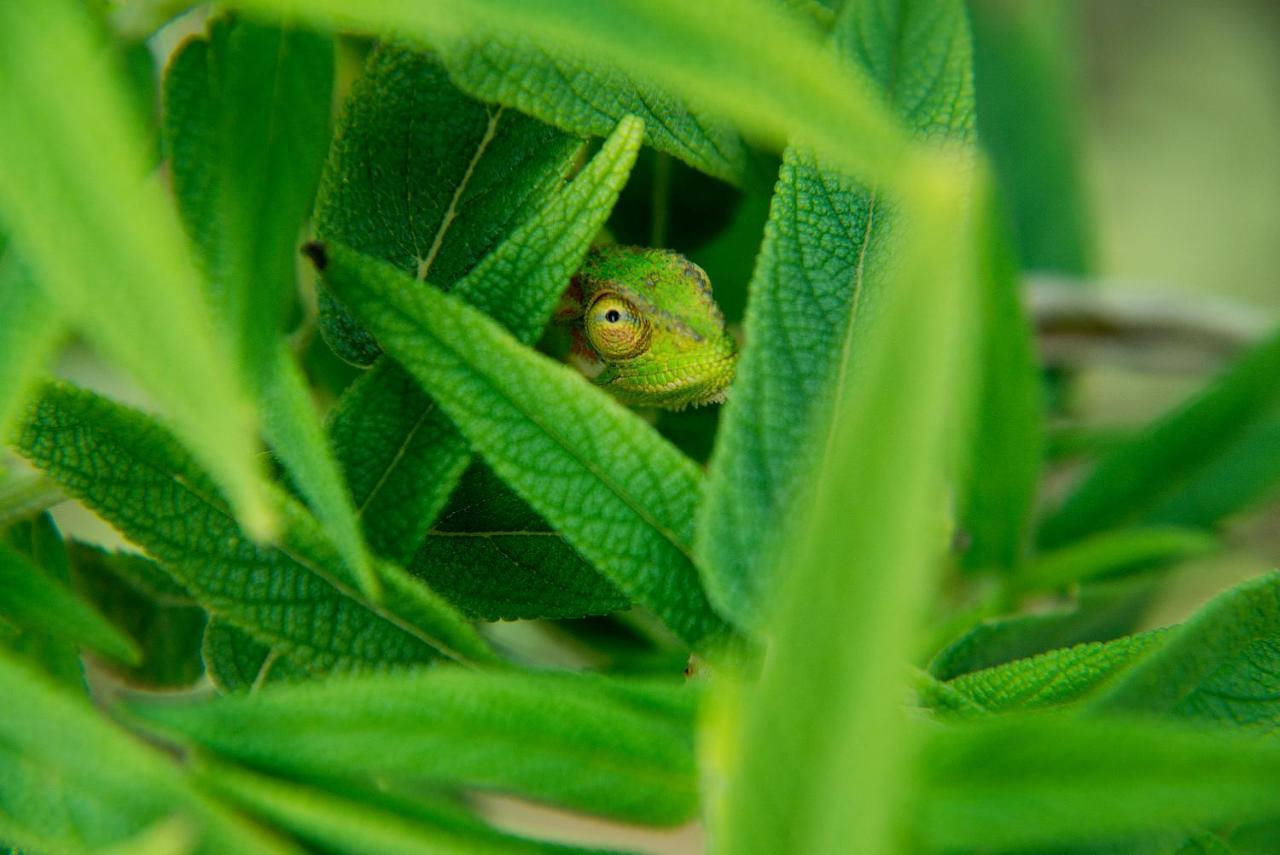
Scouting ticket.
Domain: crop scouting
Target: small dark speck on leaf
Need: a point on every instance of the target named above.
(315, 251)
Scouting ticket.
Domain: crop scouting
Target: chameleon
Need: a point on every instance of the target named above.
(644, 325)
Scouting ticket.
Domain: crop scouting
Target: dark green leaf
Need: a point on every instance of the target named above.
(235, 661)
(818, 282)
(621, 749)
(619, 493)
(589, 99)
(126, 282)
(1131, 483)
(494, 558)
(294, 596)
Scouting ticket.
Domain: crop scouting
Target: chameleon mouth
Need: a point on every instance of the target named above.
(704, 382)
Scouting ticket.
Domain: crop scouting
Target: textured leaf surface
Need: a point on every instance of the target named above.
(589, 99)
(618, 492)
(625, 750)
(292, 597)
(1223, 665)
(1057, 677)
(1128, 484)
(144, 600)
(126, 282)
(341, 824)
(32, 600)
(235, 661)
(1048, 781)
(74, 781)
(494, 558)
(818, 281)
(426, 178)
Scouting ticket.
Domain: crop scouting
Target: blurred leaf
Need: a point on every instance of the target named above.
(1109, 553)
(26, 495)
(601, 746)
(494, 558)
(1131, 483)
(144, 600)
(39, 542)
(1048, 781)
(293, 596)
(589, 99)
(28, 336)
(1002, 472)
(126, 282)
(1028, 120)
(246, 124)
(235, 661)
(619, 493)
(1055, 678)
(32, 600)
(768, 72)
(844, 622)
(819, 280)
(426, 178)
(1102, 611)
(74, 781)
(340, 824)
(1223, 665)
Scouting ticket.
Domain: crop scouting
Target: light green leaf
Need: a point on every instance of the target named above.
(1048, 781)
(589, 99)
(146, 602)
(819, 280)
(623, 750)
(618, 492)
(345, 825)
(25, 495)
(235, 661)
(494, 558)
(28, 336)
(1131, 483)
(73, 780)
(1002, 473)
(1055, 678)
(768, 72)
(1219, 666)
(428, 179)
(1111, 552)
(32, 600)
(294, 596)
(125, 280)
(39, 542)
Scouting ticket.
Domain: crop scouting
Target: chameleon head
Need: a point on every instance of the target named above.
(646, 328)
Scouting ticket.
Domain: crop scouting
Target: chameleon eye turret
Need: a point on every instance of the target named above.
(646, 327)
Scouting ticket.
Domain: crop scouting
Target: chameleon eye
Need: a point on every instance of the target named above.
(616, 329)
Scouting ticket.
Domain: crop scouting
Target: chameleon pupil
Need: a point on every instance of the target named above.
(612, 316)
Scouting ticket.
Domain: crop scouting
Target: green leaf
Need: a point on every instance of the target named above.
(235, 661)
(345, 825)
(856, 583)
(619, 749)
(39, 542)
(1111, 552)
(618, 492)
(819, 280)
(126, 282)
(1029, 122)
(32, 600)
(1049, 781)
(293, 596)
(28, 336)
(247, 116)
(426, 178)
(1055, 678)
(494, 558)
(1002, 472)
(143, 599)
(1131, 483)
(1220, 666)
(588, 99)
(74, 781)
(25, 495)
(768, 72)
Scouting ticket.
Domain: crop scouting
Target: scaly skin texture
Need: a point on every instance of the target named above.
(646, 328)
